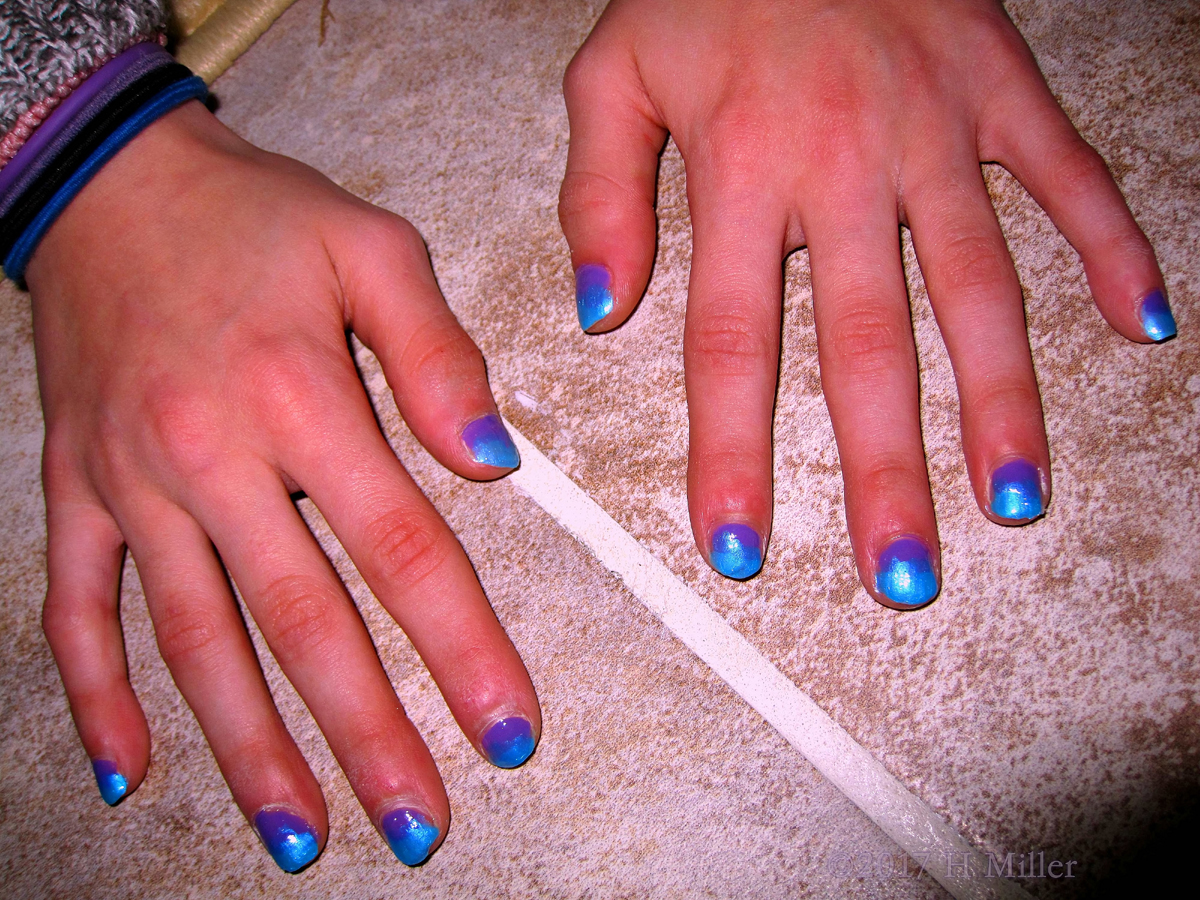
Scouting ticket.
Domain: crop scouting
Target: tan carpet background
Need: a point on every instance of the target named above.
(1047, 701)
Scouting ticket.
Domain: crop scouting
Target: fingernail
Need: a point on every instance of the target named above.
(290, 840)
(112, 783)
(736, 551)
(905, 573)
(1017, 491)
(1157, 321)
(593, 295)
(410, 833)
(488, 442)
(508, 743)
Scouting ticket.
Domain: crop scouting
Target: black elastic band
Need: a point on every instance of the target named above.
(82, 146)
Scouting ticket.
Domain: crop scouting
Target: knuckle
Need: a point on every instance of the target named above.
(865, 340)
(890, 475)
(971, 264)
(581, 79)
(441, 353)
(1077, 169)
(1011, 391)
(188, 635)
(728, 344)
(406, 548)
(183, 426)
(295, 616)
(280, 380)
(392, 233)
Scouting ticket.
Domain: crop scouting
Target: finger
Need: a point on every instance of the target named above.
(1027, 132)
(606, 205)
(83, 627)
(869, 375)
(321, 644)
(976, 297)
(731, 360)
(435, 370)
(414, 565)
(205, 645)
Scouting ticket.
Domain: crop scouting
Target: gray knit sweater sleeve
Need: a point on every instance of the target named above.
(43, 43)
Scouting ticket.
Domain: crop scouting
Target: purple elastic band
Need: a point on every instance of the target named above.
(65, 111)
(68, 128)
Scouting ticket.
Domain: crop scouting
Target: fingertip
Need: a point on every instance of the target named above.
(411, 834)
(112, 784)
(1017, 492)
(1155, 316)
(736, 551)
(489, 443)
(593, 296)
(508, 742)
(290, 839)
(905, 574)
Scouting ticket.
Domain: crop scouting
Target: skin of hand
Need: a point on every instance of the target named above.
(828, 125)
(190, 312)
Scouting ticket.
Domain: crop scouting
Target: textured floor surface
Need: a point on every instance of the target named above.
(1047, 702)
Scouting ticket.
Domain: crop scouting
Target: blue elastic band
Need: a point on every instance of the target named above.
(176, 95)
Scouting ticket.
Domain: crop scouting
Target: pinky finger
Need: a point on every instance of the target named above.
(80, 618)
(1037, 143)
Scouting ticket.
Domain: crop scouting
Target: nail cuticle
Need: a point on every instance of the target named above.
(735, 551)
(593, 294)
(489, 443)
(904, 572)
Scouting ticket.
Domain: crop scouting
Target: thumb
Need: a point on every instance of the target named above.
(606, 205)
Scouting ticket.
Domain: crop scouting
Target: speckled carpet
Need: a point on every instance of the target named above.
(1046, 703)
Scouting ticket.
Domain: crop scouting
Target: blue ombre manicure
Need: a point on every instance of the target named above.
(1157, 321)
(508, 743)
(736, 551)
(290, 840)
(593, 295)
(410, 834)
(488, 441)
(1017, 491)
(112, 783)
(905, 573)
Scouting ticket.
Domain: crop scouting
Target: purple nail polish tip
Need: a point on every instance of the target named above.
(290, 840)
(489, 443)
(509, 742)
(593, 294)
(112, 783)
(1157, 320)
(736, 551)
(905, 573)
(410, 833)
(1017, 491)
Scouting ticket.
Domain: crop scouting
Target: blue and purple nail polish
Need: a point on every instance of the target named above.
(410, 833)
(112, 783)
(290, 840)
(1157, 321)
(488, 442)
(1017, 491)
(508, 743)
(736, 551)
(593, 294)
(905, 573)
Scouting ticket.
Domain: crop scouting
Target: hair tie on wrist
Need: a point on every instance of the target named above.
(148, 85)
